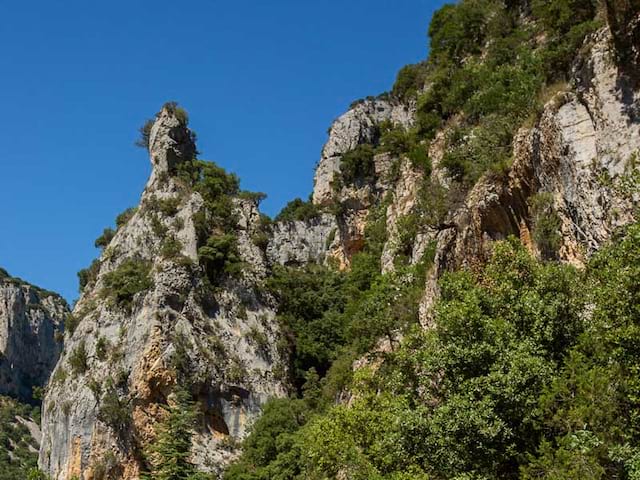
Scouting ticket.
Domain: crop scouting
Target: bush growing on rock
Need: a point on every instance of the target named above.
(298, 210)
(220, 256)
(358, 165)
(78, 359)
(128, 279)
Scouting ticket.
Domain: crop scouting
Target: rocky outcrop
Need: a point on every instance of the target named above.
(122, 364)
(295, 243)
(31, 324)
(357, 126)
(581, 153)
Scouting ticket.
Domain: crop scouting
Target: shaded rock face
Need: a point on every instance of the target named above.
(30, 318)
(223, 338)
(623, 17)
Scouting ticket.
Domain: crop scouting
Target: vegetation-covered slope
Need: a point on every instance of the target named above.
(18, 447)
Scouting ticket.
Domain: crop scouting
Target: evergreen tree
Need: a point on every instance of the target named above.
(169, 455)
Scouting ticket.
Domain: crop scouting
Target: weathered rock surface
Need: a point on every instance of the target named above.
(225, 338)
(29, 347)
(357, 126)
(298, 243)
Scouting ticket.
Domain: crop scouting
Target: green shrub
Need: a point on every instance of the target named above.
(259, 339)
(408, 228)
(113, 410)
(298, 210)
(168, 206)
(546, 225)
(358, 165)
(255, 197)
(170, 454)
(488, 147)
(103, 240)
(560, 16)
(220, 256)
(88, 276)
(271, 438)
(260, 240)
(59, 376)
(395, 139)
(457, 31)
(171, 248)
(419, 158)
(145, 134)
(78, 359)
(71, 323)
(128, 279)
(409, 81)
(236, 372)
(179, 112)
(102, 348)
(125, 216)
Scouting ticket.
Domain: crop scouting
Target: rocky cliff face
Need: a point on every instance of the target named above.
(581, 153)
(125, 359)
(31, 324)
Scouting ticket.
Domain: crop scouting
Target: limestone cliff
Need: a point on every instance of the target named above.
(124, 360)
(31, 325)
(581, 152)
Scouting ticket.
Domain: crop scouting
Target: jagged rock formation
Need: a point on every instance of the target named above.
(357, 126)
(31, 324)
(122, 363)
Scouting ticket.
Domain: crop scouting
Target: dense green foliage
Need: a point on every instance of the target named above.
(169, 455)
(88, 275)
(215, 223)
(129, 278)
(527, 374)
(546, 225)
(487, 69)
(298, 210)
(220, 255)
(357, 164)
(103, 240)
(17, 456)
(78, 360)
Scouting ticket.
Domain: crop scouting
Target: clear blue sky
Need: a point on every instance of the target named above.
(262, 81)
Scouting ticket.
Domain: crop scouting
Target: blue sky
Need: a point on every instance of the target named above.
(262, 81)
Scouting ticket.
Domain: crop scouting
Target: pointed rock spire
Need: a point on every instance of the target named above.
(170, 140)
